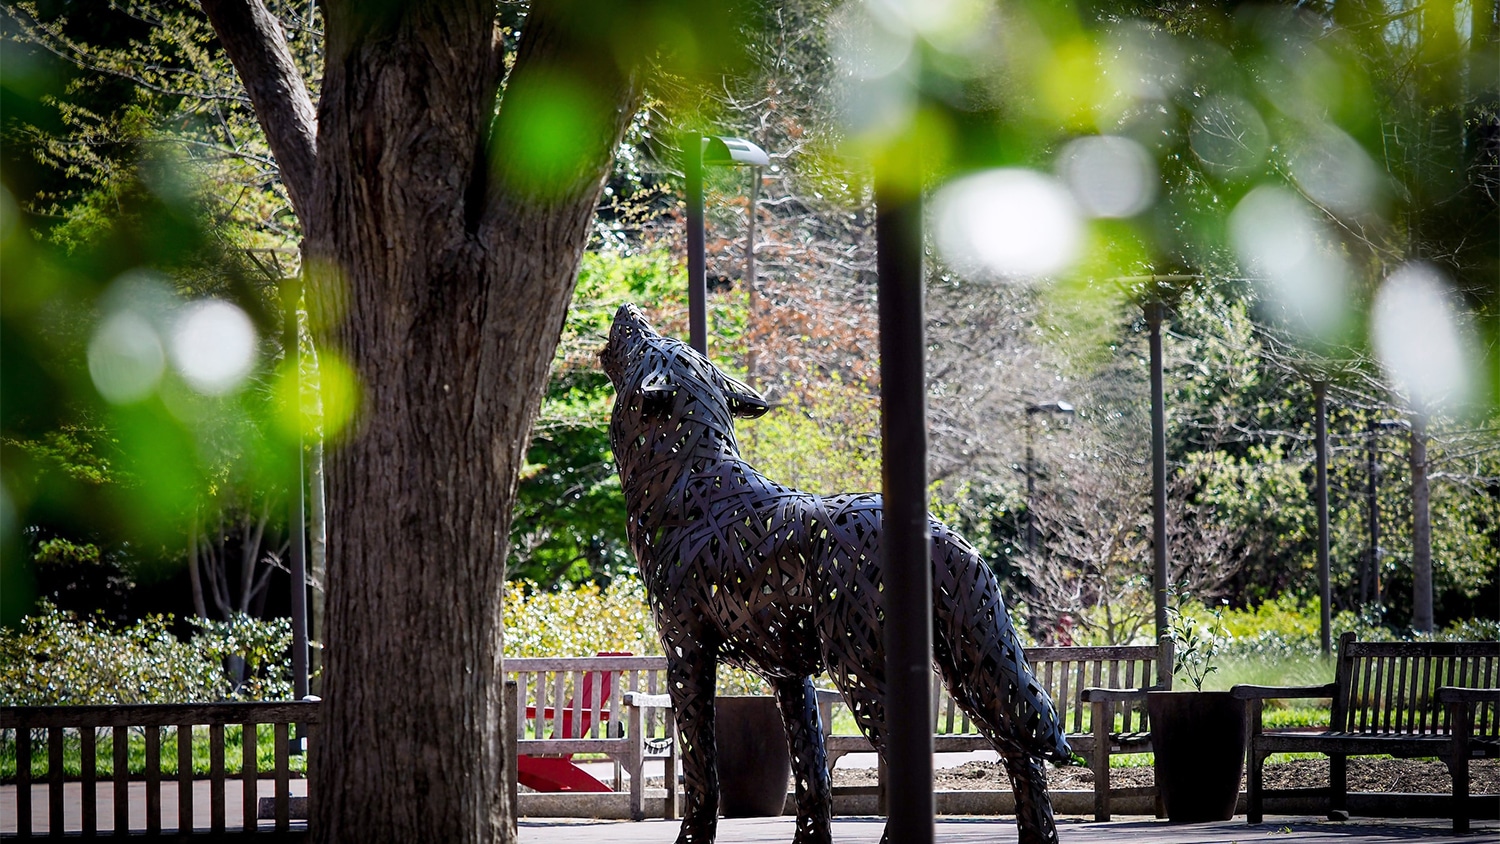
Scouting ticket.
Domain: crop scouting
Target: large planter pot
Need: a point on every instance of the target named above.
(1199, 742)
(754, 765)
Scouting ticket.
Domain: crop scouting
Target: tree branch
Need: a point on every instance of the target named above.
(252, 37)
(558, 57)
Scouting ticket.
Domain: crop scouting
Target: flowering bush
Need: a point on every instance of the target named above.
(579, 621)
(587, 619)
(58, 658)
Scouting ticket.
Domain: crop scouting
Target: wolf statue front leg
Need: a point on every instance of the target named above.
(1033, 803)
(814, 791)
(691, 671)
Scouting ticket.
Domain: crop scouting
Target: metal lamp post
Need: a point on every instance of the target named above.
(1325, 591)
(297, 514)
(906, 542)
(697, 152)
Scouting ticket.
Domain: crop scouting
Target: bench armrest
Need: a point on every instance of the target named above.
(1244, 692)
(1097, 695)
(1455, 694)
(645, 701)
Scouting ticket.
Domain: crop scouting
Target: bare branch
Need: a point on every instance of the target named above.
(256, 44)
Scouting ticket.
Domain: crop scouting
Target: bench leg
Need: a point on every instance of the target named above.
(1461, 721)
(1459, 768)
(1100, 717)
(1338, 783)
(670, 774)
(1101, 783)
(1253, 807)
(636, 765)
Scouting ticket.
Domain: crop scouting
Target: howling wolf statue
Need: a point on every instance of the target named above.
(742, 570)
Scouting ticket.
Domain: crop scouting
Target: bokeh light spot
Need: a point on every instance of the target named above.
(126, 360)
(1229, 137)
(1289, 252)
(1007, 223)
(1336, 172)
(213, 346)
(1110, 176)
(1420, 338)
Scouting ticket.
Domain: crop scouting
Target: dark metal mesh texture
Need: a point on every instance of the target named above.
(742, 570)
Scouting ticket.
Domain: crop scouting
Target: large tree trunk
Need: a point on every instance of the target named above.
(451, 315)
(443, 275)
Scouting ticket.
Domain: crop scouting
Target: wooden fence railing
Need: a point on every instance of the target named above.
(68, 736)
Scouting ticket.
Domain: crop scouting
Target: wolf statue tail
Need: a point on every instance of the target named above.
(980, 655)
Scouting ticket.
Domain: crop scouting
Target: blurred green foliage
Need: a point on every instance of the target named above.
(136, 187)
(59, 658)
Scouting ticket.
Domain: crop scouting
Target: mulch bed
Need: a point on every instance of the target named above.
(1369, 774)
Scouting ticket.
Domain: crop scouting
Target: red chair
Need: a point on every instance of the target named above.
(558, 773)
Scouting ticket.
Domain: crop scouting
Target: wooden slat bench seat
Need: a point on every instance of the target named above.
(34, 727)
(1404, 699)
(1099, 694)
(606, 705)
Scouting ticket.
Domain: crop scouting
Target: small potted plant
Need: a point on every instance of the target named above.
(1197, 736)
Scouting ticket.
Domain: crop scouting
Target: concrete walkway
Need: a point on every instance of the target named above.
(962, 830)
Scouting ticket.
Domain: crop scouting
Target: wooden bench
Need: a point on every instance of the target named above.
(597, 705)
(73, 733)
(1404, 699)
(1099, 694)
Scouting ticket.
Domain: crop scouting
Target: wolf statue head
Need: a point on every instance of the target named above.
(659, 381)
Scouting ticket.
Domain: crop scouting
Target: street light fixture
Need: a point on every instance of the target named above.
(697, 152)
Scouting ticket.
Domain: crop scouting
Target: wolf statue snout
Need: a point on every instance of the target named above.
(742, 570)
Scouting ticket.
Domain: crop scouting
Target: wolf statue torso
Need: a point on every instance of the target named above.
(742, 570)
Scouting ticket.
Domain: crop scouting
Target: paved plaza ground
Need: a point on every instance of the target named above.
(963, 830)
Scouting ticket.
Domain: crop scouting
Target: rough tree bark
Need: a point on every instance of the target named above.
(444, 277)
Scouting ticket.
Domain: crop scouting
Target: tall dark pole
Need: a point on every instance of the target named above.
(751, 304)
(1369, 587)
(1421, 528)
(1155, 311)
(692, 165)
(296, 515)
(1030, 484)
(905, 539)
(1325, 593)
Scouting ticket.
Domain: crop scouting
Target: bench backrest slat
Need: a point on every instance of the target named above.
(1390, 688)
(75, 736)
(1064, 672)
(121, 775)
(583, 697)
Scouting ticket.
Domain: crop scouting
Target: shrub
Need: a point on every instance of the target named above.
(579, 621)
(588, 619)
(58, 658)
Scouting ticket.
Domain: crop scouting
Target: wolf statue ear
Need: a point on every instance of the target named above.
(744, 401)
